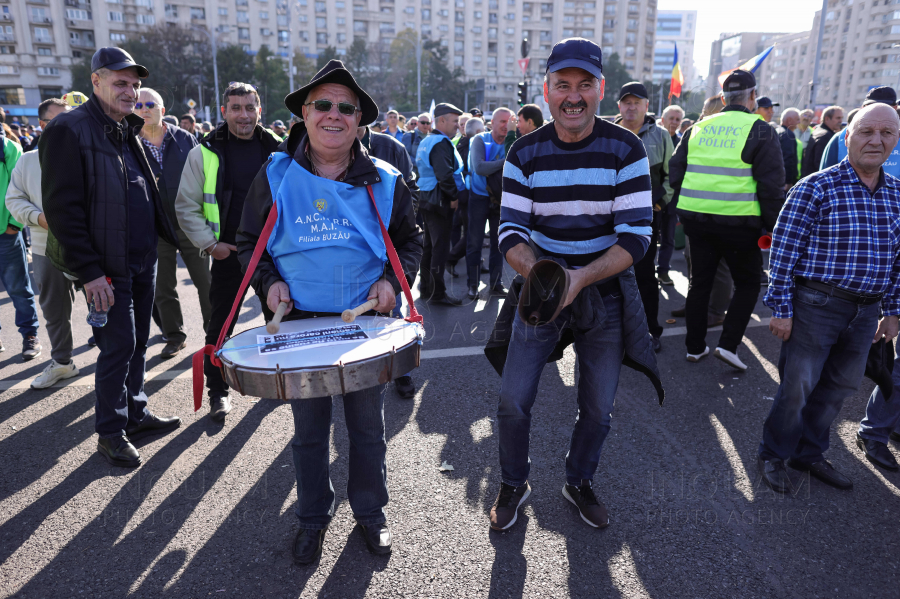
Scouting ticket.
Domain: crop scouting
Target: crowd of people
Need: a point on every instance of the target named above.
(601, 198)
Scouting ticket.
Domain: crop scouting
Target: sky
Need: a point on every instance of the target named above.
(717, 16)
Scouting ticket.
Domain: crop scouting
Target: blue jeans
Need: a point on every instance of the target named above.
(367, 480)
(882, 416)
(119, 380)
(14, 275)
(599, 351)
(480, 213)
(821, 364)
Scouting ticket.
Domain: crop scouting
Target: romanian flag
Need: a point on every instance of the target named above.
(677, 77)
(751, 65)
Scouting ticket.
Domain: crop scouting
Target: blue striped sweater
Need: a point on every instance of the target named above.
(576, 200)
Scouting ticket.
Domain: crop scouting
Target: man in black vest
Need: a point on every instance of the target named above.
(105, 216)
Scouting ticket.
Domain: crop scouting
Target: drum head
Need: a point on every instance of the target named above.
(316, 342)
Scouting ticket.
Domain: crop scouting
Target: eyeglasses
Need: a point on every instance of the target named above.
(150, 105)
(424, 122)
(344, 108)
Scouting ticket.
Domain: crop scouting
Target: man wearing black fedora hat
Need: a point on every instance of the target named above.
(105, 217)
(323, 173)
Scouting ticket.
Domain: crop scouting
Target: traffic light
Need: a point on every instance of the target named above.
(523, 93)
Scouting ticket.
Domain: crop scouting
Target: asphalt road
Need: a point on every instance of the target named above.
(210, 512)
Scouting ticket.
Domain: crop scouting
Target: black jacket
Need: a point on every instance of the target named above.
(178, 143)
(763, 152)
(443, 161)
(85, 191)
(406, 236)
(812, 154)
(788, 142)
(389, 149)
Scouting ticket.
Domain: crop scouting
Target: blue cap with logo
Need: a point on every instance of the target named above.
(576, 52)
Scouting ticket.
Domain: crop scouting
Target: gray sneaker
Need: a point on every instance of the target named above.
(505, 509)
(31, 348)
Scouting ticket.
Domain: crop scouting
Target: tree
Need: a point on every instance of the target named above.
(324, 56)
(440, 83)
(304, 69)
(357, 61)
(616, 76)
(271, 81)
(234, 64)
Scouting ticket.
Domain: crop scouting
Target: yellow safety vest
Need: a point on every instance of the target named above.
(799, 156)
(210, 177)
(717, 180)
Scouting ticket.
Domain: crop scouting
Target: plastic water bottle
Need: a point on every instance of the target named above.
(96, 316)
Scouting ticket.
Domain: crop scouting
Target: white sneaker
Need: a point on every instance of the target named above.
(54, 372)
(697, 357)
(730, 358)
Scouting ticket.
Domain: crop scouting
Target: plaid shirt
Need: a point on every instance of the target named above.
(833, 230)
(158, 152)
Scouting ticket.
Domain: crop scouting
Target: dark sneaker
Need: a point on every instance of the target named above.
(665, 279)
(31, 348)
(592, 511)
(775, 475)
(505, 509)
(447, 300)
(173, 346)
(91, 341)
(405, 387)
(472, 293)
(499, 289)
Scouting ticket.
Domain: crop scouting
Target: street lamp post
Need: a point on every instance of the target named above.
(212, 42)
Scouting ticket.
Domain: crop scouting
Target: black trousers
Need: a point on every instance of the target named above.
(738, 247)
(648, 285)
(226, 281)
(459, 234)
(437, 249)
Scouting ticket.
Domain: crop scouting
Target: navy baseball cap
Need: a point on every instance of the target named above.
(738, 80)
(576, 52)
(116, 59)
(634, 88)
(881, 95)
(765, 102)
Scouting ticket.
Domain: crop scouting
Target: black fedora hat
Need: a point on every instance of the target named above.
(334, 72)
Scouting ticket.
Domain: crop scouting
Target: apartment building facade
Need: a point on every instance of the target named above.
(40, 39)
(675, 27)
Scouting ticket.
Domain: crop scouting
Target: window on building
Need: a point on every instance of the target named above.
(74, 13)
(145, 20)
(243, 33)
(360, 26)
(320, 7)
(50, 92)
(12, 95)
(321, 23)
(223, 12)
(342, 38)
(322, 39)
(114, 16)
(263, 14)
(117, 37)
(198, 13)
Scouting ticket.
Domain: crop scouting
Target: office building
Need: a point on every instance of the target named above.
(675, 27)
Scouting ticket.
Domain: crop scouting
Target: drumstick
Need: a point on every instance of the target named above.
(275, 324)
(349, 316)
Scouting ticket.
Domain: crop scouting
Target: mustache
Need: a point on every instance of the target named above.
(568, 104)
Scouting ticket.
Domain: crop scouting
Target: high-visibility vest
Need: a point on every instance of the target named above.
(717, 180)
(799, 156)
(210, 177)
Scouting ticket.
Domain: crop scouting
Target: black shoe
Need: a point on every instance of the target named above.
(657, 345)
(825, 472)
(451, 268)
(679, 312)
(472, 293)
(378, 538)
(484, 269)
(895, 436)
(119, 451)
(405, 387)
(499, 289)
(591, 510)
(447, 300)
(665, 279)
(172, 348)
(308, 545)
(775, 475)
(877, 453)
(91, 341)
(31, 348)
(219, 406)
(153, 425)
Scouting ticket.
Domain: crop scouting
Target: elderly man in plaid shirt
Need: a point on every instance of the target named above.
(834, 270)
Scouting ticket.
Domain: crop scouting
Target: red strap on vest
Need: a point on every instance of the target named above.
(210, 350)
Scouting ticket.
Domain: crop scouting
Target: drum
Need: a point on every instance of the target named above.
(317, 357)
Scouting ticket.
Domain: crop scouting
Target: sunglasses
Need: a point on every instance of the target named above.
(424, 122)
(344, 108)
(150, 105)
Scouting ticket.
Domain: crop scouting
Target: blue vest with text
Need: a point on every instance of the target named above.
(492, 151)
(327, 243)
(891, 165)
(427, 179)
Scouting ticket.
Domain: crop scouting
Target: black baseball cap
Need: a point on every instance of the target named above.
(765, 102)
(116, 59)
(476, 112)
(739, 80)
(881, 95)
(634, 88)
(576, 52)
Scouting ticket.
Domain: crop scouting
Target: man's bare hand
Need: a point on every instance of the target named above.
(887, 328)
(221, 251)
(43, 222)
(11, 230)
(100, 292)
(576, 284)
(279, 292)
(781, 327)
(454, 204)
(384, 292)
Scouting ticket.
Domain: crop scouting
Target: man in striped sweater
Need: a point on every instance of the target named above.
(578, 191)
